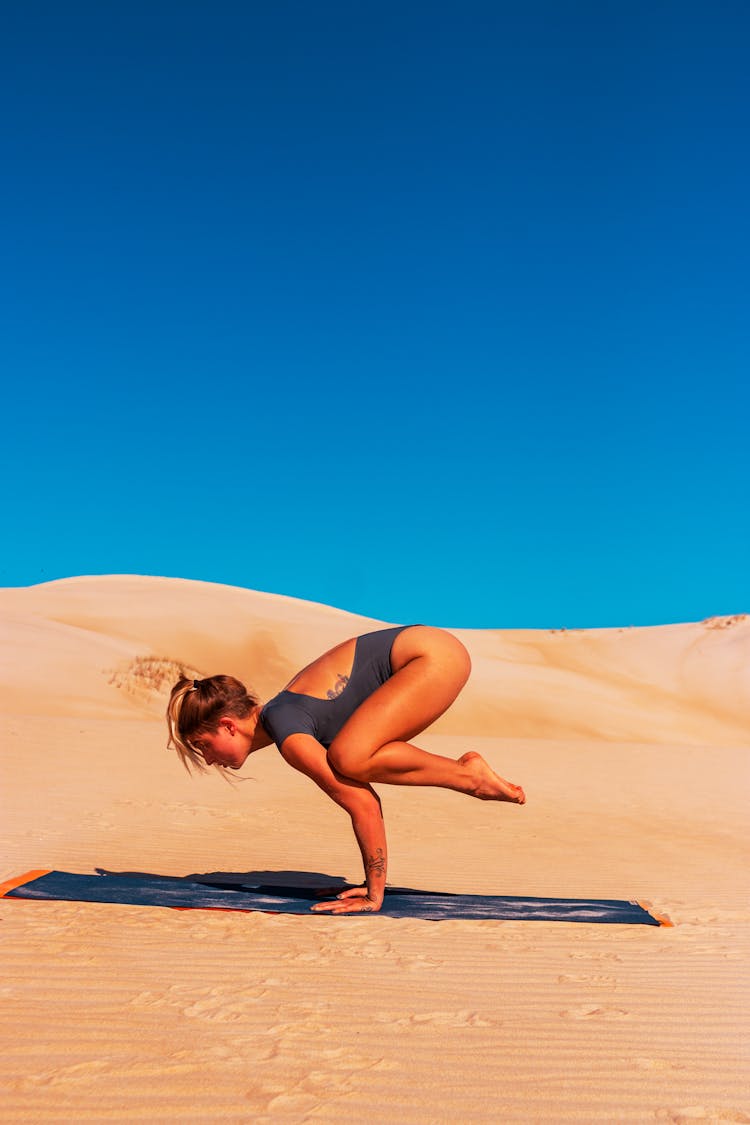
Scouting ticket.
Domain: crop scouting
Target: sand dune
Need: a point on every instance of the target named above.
(633, 747)
(687, 683)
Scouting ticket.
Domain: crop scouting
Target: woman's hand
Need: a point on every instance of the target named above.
(356, 900)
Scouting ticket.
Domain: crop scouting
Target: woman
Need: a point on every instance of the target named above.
(345, 720)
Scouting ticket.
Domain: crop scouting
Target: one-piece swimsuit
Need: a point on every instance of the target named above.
(292, 712)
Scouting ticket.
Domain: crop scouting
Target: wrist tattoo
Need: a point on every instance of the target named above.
(376, 863)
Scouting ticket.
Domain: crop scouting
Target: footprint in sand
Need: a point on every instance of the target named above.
(363, 946)
(463, 1018)
(342, 1058)
(418, 962)
(586, 978)
(594, 1011)
(645, 1063)
(222, 1008)
(148, 999)
(593, 955)
(84, 1072)
(297, 1105)
(690, 1113)
(99, 822)
(219, 1005)
(314, 956)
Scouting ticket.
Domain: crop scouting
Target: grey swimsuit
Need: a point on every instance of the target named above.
(291, 712)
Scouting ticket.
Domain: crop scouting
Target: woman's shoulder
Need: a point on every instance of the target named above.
(286, 714)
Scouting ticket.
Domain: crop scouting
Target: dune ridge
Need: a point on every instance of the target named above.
(688, 683)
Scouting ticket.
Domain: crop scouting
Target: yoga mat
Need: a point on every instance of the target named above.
(199, 894)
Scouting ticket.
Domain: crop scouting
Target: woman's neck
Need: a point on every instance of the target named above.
(254, 729)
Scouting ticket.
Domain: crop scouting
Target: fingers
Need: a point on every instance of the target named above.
(346, 906)
(350, 892)
(354, 900)
(330, 892)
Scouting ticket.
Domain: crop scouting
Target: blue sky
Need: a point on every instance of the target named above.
(430, 311)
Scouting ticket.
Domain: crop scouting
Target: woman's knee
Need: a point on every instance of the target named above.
(348, 761)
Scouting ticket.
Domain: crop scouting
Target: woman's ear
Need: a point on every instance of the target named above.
(228, 724)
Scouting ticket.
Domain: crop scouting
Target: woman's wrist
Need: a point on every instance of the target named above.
(375, 875)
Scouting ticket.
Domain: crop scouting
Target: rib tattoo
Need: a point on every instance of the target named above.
(338, 687)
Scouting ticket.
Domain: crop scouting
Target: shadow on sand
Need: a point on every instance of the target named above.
(289, 884)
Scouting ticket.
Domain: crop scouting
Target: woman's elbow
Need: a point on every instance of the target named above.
(362, 803)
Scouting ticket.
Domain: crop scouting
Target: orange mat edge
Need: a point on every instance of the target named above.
(662, 919)
(19, 880)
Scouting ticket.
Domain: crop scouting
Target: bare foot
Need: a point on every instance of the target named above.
(487, 785)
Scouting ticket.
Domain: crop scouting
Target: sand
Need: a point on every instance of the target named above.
(632, 745)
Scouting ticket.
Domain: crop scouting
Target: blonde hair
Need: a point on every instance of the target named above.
(195, 708)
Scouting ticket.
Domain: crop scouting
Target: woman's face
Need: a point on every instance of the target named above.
(227, 746)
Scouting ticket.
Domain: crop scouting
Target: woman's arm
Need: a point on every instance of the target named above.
(369, 829)
(307, 755)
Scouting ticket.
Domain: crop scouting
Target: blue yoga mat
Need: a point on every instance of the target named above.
(208, 894)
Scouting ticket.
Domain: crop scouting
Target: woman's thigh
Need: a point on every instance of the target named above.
(430, 667)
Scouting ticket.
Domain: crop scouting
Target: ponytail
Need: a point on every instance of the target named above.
(195, 707)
